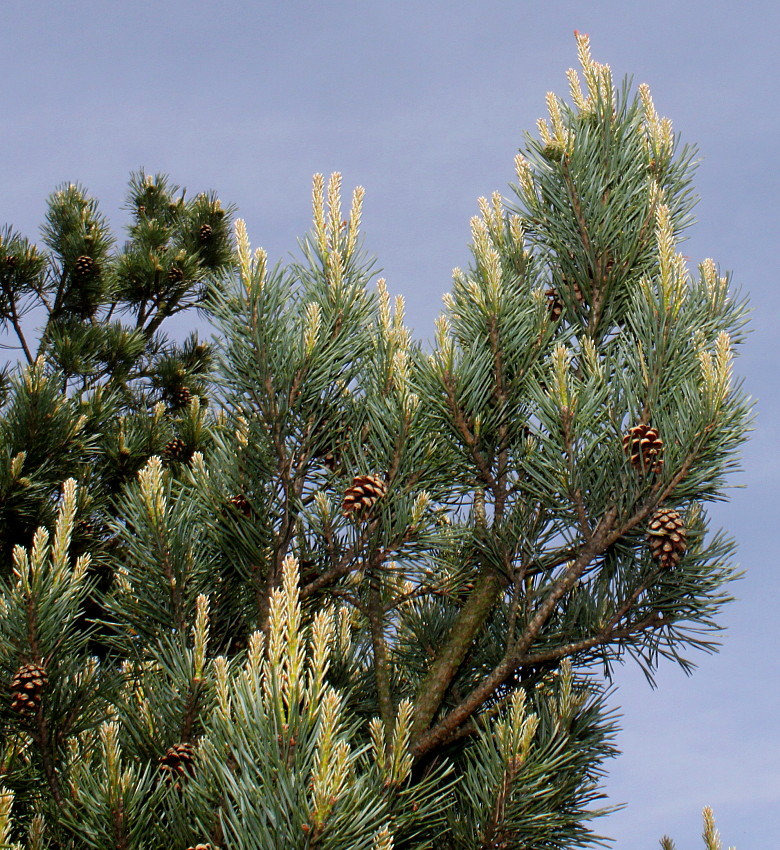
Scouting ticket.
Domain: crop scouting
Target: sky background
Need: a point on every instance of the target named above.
(425, 104)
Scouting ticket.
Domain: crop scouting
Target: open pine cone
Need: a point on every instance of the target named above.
(240, 503)
(84, 266)
(176, 449)
(178, 762)
(175, 275)
(554, 304)
(668, 537)
(644, 448)
(180, 397)
(26, 688)
(364, 492)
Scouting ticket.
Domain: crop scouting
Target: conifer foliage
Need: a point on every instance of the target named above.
(369, 601)
(99, 360)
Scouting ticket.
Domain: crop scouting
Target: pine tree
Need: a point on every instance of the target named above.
(98, 362)
(375, 607)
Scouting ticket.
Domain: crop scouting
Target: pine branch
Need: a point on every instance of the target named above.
(442, 671)
(375, 614)
(18, 327)
(426, 740)
(466, 432)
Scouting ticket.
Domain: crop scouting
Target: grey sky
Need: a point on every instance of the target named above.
(425, 104)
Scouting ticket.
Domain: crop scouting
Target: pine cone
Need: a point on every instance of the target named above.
(667, 537)
(362, 494)
(176, 449)
(86, 527)
(26, 688)
(10, 261)
(84, 266)
(181, 397)
(644, 447)
(329, 460)
(178, 762)
(329, 456)
(240, 503)
(205, 232)
(554, 304)
(175, 275)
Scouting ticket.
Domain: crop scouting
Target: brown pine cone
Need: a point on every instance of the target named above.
(329, 460)
(176, 449)
(205, 232)
(667, 536)
(175, 275)
(84, 266)
(178, 762)
(181, 397)
(85, 527)
(554, 304)
(240, 503)
(27, 686)
(363, 493)
(644, 448)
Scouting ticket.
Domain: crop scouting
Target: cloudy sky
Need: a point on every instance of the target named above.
(425, 105)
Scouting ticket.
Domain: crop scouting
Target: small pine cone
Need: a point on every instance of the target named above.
(362, 494)
(575, 287)
(644, 448)
(668, 537)
(329, 460)
(10, 261)
(240, 503)
(175, 275)
(26, 689)
(554, 304)
(176, 449)
(86, 528)
(329, 456)
(181, 397)
(178, 762)
(84, 266)
(205, 232)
